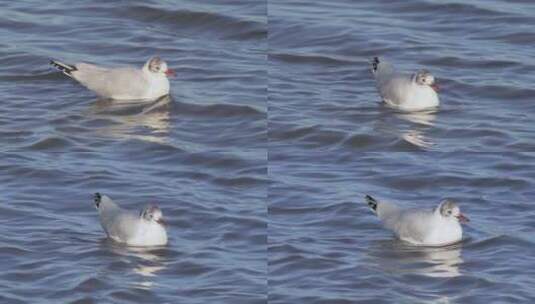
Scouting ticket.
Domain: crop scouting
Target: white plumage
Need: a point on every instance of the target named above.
(438, 227)
(405, 92)
(134, 229)
(124, 83)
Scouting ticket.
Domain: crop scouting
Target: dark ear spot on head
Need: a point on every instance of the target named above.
(446, 207)
(146, 213)
(155, 64)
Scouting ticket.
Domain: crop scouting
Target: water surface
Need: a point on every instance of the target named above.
(331, 142)
(322, 94)
(199, 154)
(327, 246)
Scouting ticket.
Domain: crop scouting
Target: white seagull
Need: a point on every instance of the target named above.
(133, 229)
(438, 227)
(124, 83)
(405, 92)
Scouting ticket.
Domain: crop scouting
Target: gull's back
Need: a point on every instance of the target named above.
(121, 225)
(117, 83)
(409, 224)
(392, 86)
(118, 223)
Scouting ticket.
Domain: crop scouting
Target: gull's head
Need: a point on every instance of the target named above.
(153, 214)
(449, 209)
(159, 67)
(424, 77)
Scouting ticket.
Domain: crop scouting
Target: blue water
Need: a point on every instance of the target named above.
(326, 246)
(331, 142)
(262, 154)
(323, 96)
(199, 154)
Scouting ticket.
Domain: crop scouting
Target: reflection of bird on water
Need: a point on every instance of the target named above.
(444, 262)
(137, 121)
(146, 261)
(425, 118)
(416, 138)
(399, 257)
(415, 135)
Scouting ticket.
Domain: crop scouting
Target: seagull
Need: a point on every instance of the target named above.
(438, 227)
(404, 92)
(125, 83)
(144, 229)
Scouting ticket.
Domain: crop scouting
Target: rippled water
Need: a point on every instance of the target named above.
(261, 156)
(200, 154)
(326, 246)
(331, 142)
(322, 94)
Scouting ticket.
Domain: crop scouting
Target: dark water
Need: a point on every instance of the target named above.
(262, 154)
(200, 155)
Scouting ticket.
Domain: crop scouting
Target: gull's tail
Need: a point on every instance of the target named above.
(97, 198)
(375, 64)
(372, 203)
(64, 68)
(381, 69)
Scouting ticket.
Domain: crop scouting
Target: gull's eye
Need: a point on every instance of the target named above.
(448, 212)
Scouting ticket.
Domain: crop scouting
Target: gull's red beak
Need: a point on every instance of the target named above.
(170, 73)
(462, 218)
(435, 87)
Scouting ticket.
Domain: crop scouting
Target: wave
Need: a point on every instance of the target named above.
(219, 110)
(200, 22)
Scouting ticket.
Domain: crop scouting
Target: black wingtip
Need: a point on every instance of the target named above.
(65, 68)
(371, 202)
(375, 63)
(97, 199)
(55, 63)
